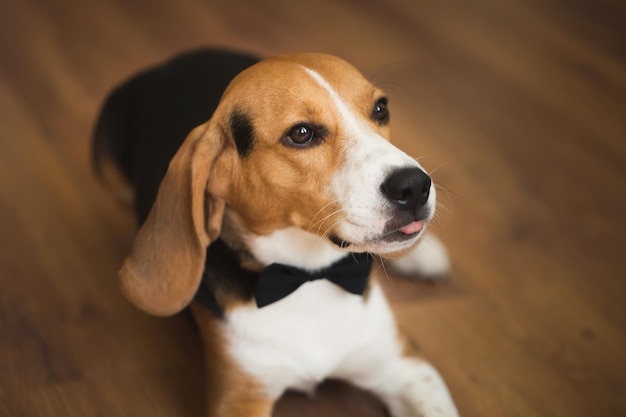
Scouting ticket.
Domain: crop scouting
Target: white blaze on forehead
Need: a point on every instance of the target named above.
(350, 123)
(364, 146)
(356, 129)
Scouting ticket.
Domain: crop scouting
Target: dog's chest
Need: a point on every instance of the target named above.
(304, 338)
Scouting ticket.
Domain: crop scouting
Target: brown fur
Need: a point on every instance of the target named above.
(163, 270)
(277, 186)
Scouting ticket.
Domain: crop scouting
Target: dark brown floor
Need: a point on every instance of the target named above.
(519, 108)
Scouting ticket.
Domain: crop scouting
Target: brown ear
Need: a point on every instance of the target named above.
(162, 273)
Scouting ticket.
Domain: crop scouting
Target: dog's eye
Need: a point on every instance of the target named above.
(380, 114)
(305, 135)
(300, 135)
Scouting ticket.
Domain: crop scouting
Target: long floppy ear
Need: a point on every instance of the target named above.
(163, 271)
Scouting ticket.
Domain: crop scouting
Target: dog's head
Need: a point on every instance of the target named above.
(296, 141)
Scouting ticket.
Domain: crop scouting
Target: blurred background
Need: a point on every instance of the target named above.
(518, 108)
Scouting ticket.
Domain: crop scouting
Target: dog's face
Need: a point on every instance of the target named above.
(296, 141)
(313, 152)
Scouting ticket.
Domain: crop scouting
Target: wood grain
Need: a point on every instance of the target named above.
(518, 109)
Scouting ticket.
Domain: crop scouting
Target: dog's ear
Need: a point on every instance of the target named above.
(163, 271)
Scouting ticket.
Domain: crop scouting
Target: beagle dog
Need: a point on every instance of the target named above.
(264, 220)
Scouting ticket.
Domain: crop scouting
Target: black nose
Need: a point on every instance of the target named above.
(407, 188)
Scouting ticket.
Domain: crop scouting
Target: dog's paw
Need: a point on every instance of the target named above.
(428, 260)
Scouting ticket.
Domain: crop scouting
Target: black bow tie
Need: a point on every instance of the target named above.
(278, 281)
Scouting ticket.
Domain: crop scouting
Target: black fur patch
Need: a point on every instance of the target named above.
(243, 132)
(224, 278)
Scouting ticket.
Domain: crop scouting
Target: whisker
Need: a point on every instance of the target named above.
(437, 220)
(439, 187)
(372, 78)
(327, 217)
(444, 207)
(386, 274)
(328, 229)
(320, 211)
(450, 193)
(420, 158)
(443, 164)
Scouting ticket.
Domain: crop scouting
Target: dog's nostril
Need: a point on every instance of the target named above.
(408, 188)
(407, 195)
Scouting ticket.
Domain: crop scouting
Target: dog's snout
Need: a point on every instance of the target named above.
(407, 188)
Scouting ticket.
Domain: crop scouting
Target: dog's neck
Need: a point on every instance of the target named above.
(236, 262)
(295, 247)
(289, 246)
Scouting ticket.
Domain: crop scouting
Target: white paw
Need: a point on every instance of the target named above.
(429, 259)
(424, 393)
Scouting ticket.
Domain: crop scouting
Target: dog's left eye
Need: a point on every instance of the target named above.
(380, 114)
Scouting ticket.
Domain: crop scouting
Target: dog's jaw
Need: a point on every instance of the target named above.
(368, 225)
(295, 247)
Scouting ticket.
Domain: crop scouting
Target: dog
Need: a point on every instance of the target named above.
(262, 187)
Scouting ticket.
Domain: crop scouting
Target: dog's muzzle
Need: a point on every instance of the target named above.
(407, 191)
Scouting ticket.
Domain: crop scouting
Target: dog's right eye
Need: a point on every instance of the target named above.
(303, 135)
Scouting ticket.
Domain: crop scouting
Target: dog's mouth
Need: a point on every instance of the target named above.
(390, 240)
(412, 228)
(406, 232)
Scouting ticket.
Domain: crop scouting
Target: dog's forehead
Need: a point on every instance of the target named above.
(298, 77)
(340, 74)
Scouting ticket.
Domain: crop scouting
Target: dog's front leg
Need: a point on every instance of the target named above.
(414, 388)
(230, 392)
(409, 387)
(383, 363)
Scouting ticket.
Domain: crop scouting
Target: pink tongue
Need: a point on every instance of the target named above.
(413, 228)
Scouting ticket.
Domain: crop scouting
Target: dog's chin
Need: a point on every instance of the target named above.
(388, 243)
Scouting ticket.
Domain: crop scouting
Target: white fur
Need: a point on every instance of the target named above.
(302, 339)
(295, 247)
(322, 331)
(428, 259)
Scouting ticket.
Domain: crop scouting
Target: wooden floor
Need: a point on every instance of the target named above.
(518, 108)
